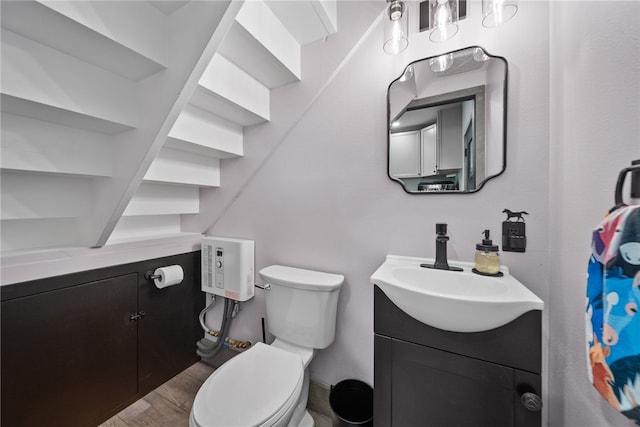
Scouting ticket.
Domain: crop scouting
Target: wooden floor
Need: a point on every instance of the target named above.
(170, 404)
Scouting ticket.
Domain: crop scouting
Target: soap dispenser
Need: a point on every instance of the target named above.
(487, 260)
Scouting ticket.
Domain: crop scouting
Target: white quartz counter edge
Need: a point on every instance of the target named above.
(25, 266)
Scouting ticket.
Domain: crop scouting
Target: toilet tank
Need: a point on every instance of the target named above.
(301, 305)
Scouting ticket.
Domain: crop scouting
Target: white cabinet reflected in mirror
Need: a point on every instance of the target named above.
(447, 122)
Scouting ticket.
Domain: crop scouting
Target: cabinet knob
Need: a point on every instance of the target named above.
(531, 401)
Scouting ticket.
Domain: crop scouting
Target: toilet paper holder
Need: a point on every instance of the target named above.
(166, 276)
(150, 275)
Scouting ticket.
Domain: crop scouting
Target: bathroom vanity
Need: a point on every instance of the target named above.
(432, 377)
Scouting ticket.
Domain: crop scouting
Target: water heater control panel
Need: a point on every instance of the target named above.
(228, 267)
(219, 267)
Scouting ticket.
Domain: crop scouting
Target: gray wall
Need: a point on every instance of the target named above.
(312, 189)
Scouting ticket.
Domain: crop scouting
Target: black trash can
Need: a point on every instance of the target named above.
(352, 404)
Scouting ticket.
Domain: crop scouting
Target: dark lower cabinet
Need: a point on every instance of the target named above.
(71, 358)
(168, 332)
(466, 392)
(72, 355)
(419, 384)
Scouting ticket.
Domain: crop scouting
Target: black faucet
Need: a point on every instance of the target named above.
(441, 250)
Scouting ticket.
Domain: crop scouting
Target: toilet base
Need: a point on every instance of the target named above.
(307, 420)
(301, 417)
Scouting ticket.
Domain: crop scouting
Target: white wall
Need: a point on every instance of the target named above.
(595, 132)
(313, 191)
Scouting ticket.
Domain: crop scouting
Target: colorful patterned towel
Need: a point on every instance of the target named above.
(613, 300)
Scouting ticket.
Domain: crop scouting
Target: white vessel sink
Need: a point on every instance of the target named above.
(458, 301)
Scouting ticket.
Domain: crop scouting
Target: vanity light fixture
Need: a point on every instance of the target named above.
(441, 18)
(396, 37)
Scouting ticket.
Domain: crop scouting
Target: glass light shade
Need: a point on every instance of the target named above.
(497, 12)
(396, 38)
(441, 63)
(443, 19)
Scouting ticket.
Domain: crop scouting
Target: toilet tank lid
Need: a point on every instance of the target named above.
(301, 278)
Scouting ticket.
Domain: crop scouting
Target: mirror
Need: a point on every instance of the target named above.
(447, 122)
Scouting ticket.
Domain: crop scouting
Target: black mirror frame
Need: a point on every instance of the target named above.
(504, 125)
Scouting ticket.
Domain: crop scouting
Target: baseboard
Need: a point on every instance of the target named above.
(223, 355)
(319, 398)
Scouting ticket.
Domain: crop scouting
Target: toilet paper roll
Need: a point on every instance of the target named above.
(169, 276)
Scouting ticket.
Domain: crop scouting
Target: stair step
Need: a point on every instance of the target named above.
(259, 44)
(31, 234)
(39, 146)
(72, 75)
(42, 75)
(37, 196)
(140, 227)
(203, 133)
(308, 20)
(200, 150)
(183, 167)
(164, 199)
(196, 30)
(106, 34)
(229, 92)
(35, 110)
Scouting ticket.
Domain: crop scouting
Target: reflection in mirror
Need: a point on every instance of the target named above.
(447, 122)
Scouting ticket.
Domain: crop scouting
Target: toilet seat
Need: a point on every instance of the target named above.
(254, 388)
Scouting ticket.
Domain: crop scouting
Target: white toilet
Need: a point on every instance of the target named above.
(268, 385)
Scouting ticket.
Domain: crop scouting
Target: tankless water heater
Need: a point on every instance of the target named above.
(228, 267)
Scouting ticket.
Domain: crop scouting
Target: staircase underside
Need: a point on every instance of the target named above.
(111, 127)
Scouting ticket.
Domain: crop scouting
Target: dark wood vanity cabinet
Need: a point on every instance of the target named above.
(78, 348)
(425, 376)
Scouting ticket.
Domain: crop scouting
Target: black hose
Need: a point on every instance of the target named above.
(206, 349)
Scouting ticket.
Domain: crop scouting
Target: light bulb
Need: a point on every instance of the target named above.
(444, 19)
(443, 13)
(395, 10)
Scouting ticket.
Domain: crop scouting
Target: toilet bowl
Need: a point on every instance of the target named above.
(268, 385)
(260, 387)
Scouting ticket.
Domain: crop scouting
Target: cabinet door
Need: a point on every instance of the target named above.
(168, 332)
(404, 155)
(450, 138)
(429, 144)
(433, 387)
(382, 381)
(69, 355)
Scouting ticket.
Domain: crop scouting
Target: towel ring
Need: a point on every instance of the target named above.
(621, 177)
